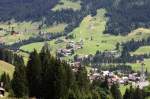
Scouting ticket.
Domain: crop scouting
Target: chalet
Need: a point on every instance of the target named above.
(2, 90)
(64, 52)
(73, 45)
(94, 76)
(14, 33)
(134, 77)
(81, 58)
(105, 73)
(70, 46)
(115, 54)
(1, 29)
(71, 42)
(75, 66)
(59, 41)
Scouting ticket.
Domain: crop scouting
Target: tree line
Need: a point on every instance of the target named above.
(109, 58)
(9, 56)
(133, 45)
(132, 14)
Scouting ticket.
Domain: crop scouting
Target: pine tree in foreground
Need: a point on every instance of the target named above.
(6, 80)
(34, 77)
(19, 81)
(134, 93)
(115, 92)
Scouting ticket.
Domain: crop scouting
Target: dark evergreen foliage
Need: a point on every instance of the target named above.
(115, 92)
(19, 81)
(34, 77)
(10, 57)
(132, 93)
(6, 80)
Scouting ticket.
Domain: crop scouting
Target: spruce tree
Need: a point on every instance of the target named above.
(138, 94)
(34, 76)
(131, 93)
(69, 76)
(6, 80)
(82, 79)
(83, 84)
(127, 94)
(115, 92)
(19, 81)
(45, 58)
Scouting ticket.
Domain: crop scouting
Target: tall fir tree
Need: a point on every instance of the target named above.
(45, 57)
(82, 79)
(6, 80)
(138, 94)
(83, 84)
(115, 92)
(34, 75)
(19, 81)
(127, 94)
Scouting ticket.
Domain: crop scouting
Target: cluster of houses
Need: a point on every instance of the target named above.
(117, 76)
(64, 52)
(70, 48)
(112, 77)
(75, 66)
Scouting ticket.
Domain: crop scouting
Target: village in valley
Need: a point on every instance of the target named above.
(119, 76)
(115, 59)
(122, 77)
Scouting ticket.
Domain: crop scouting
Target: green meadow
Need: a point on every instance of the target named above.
(5, 67)
(142, 50)
(38, 46)
(26, 30)
(67, 4)
(137, 66)
(91, 31)
(55, 28)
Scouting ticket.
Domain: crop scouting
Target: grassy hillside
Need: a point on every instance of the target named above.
(142, 50)
(5, 67)
(67, 4)
(137, 66)
(39, 45)
(55, 28)
(93, 27)
(26, 30)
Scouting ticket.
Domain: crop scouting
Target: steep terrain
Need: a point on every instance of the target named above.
(132, 14)
(6, 67)
(127, 15)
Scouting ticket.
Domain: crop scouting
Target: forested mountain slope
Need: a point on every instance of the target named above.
(25, 9)
(124, 15)
(127, 15)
